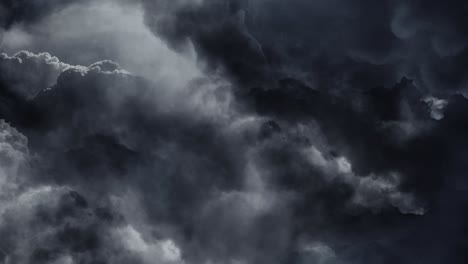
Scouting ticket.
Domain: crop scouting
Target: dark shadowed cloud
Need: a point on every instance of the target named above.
(233, 131)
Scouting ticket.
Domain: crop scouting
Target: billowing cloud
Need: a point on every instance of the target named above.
(232, 131)
(27, 74)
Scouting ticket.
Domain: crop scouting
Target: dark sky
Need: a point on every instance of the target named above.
(233, 132)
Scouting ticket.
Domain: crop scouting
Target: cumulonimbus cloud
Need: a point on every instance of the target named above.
(324, 131)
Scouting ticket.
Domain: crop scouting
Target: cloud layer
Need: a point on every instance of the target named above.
(241, 132)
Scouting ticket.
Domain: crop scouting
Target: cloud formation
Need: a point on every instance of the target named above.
(241, 132)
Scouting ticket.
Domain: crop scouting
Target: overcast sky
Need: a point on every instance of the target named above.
(233, 132)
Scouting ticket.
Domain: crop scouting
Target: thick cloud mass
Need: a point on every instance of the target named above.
(267, 131)
(29, 11)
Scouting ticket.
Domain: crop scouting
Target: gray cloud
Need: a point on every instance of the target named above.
(27, 73)
(103, 131)
(239, 132)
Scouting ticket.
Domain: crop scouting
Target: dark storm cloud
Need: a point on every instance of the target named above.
(29, 11)
(319, 132)
(103, 132)
(43, 222)
(343, 64)
(330, 44)
(218, 31)
(26, 73)
(374, 76)
(57, 221)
